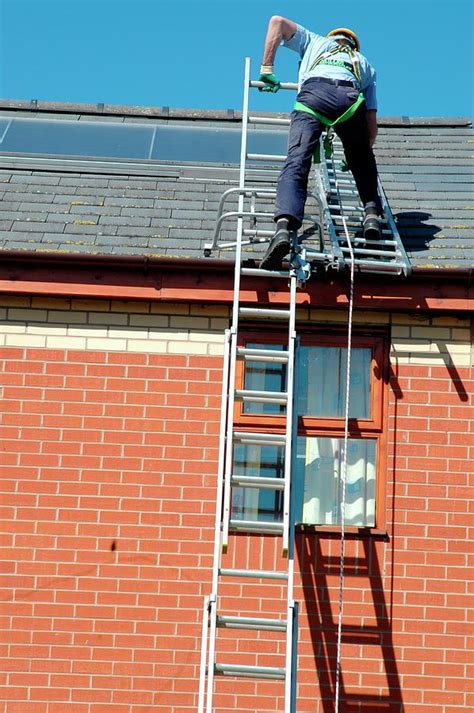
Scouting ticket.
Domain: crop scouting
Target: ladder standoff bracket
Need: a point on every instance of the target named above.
(300, 267)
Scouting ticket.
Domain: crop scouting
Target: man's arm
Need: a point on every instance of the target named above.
(279, 28)
(372, 123)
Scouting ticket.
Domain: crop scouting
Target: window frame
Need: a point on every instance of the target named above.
(374, 427)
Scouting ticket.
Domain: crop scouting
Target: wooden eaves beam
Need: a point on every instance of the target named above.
(211, 281)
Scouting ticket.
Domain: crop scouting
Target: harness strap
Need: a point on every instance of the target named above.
(324, 58)
(298, 106)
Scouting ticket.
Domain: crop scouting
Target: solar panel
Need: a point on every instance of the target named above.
(150, 142)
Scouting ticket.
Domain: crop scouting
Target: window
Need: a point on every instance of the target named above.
(321, 368)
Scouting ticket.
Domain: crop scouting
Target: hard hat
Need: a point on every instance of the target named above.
(340, 32)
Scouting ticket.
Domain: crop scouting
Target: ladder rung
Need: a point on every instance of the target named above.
(356, 228)
(261, 397)
(356, 241)
(357, 222)
(253, 573)
(380, 266)
(283, 85)
(225, 669)
(342, 181)
(264, 439)
(270, 528)
(247, 622)
(348, 208)
(266, 157)
(266, 355)
(365, 251)
(260, 312)
(268, 120)
(263, 235)
(257, 272)
(250, 481)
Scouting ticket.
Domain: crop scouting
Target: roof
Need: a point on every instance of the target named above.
(169, 208)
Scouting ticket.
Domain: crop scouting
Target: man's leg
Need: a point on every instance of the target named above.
(354, 135)
(292, 186)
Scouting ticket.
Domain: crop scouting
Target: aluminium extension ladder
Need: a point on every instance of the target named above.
(229, 529)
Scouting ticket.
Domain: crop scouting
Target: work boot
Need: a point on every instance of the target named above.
(371, 224)
(280, 245)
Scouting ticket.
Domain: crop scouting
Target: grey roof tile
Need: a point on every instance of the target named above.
(34, 226)
(425, 167)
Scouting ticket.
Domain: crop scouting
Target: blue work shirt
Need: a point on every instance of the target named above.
(310, 46)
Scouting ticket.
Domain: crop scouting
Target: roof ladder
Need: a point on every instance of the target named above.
(244, 543)
(339, 199)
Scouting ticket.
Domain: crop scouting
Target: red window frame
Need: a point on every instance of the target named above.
(374, 427)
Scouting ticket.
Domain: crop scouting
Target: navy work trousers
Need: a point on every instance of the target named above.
(330, 100)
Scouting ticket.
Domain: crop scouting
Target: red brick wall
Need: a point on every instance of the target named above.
(108, 475)
(108, 465)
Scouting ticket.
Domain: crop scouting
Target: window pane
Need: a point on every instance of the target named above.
(262, 376)
(254, 503)
(322, 382)
(318, 489)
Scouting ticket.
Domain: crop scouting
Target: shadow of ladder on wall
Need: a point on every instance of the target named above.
(219, 612)
(362, 566)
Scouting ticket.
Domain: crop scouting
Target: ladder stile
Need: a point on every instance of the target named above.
(204, 639)
(235, 315)
(212, 652)
(210, 610)
(289, 414)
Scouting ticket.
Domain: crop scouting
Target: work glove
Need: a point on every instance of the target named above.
(272, 83)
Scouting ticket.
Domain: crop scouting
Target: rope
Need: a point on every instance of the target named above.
(344, 477)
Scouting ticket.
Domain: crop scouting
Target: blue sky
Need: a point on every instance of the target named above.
(190, 53)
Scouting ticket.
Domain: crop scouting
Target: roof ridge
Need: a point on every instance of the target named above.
(151, 112)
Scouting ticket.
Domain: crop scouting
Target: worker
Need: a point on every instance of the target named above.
(335, 83)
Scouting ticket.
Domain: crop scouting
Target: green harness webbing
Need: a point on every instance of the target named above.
(298, 106)
(354, 68)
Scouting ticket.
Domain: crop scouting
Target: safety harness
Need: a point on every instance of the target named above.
(354, 68)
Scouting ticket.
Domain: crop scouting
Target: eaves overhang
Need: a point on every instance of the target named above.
(159, 278)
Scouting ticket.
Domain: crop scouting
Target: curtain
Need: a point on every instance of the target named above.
(319, 468)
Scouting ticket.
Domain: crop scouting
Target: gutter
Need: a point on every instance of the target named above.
(90, 259)
(184, 263)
